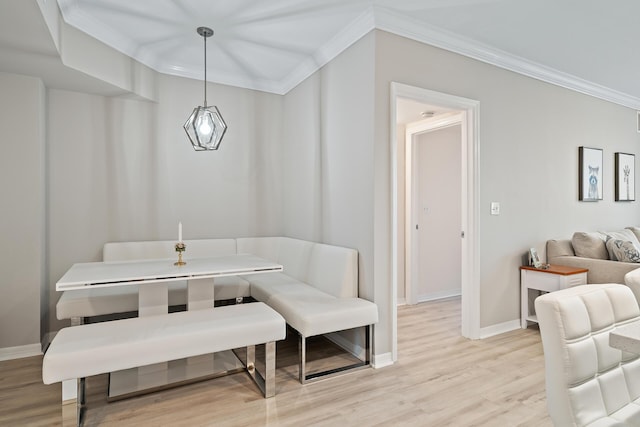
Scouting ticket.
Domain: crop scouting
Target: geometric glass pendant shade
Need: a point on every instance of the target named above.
(205, 126)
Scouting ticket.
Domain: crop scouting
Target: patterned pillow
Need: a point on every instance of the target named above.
(625, 235)
(622, 250)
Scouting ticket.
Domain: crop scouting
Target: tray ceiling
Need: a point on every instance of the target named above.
(273, 45)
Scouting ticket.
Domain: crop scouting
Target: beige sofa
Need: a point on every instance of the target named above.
(605, 254)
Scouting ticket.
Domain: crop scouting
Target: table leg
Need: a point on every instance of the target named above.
(200, 294)
(153, 299)
(524, 305)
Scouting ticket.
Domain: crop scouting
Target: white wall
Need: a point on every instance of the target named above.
(124, 170)
(530, 132)
(22, 184)
(313, 164)
(438, 207)
(302, 161)
(328, 167)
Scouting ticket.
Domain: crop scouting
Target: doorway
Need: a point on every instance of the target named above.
(433, 204)
(469, 158)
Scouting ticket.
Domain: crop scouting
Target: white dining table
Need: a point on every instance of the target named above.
(626, 338)
(152, 278)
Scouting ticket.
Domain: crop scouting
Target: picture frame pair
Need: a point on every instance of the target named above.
(590, 181)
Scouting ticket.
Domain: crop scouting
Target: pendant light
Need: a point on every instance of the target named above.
(205, 126)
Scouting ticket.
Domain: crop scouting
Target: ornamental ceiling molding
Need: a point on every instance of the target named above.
(374, 17)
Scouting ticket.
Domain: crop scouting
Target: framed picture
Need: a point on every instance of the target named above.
(590, 174)
(625, 177)
(534, 259)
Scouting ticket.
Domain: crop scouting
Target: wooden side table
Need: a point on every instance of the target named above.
(554, 278)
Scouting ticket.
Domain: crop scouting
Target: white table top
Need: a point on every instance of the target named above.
(104, 274)
(626, 338)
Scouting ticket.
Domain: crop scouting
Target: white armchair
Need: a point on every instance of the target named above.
(589, 383)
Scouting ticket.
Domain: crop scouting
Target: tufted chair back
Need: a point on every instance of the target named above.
(587, 381)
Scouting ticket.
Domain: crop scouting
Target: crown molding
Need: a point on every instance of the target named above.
(353, 32)
(71, 11)
(236, 80)
(404, 26)
(375, 17)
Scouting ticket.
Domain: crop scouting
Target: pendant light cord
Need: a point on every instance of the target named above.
(205, 70)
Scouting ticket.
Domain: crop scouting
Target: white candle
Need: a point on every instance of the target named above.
(180, 232)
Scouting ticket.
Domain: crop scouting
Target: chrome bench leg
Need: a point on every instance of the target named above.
(74, 403)
(266, 383)
(270, 368)
(302, 354)
(81, 405)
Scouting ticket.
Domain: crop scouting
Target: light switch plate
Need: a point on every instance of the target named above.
(495, 208)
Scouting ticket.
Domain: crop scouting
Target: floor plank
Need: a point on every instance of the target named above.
(440, 379)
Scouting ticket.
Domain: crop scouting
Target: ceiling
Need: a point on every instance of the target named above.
(272, 45)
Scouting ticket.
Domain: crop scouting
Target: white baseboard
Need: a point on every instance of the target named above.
(346, 345)
(46, 340)
(448, 293)
(500, 328)
(382, 360)
(9, 353)
(359, 352)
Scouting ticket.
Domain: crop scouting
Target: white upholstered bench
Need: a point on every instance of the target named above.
(81, 351)
(317, 293)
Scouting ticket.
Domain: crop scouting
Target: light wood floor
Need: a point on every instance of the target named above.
(440, 379)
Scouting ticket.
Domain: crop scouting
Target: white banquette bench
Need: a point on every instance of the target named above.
(317, 292)
(82, 351)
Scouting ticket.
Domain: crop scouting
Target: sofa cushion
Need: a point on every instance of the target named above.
(589, 245)
(622, 250)
(635, 231)
(623, 235)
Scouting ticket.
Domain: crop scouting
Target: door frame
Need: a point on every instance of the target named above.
(411, 215)
(470, 204)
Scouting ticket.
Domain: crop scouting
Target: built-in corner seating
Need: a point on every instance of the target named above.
(317, 292)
